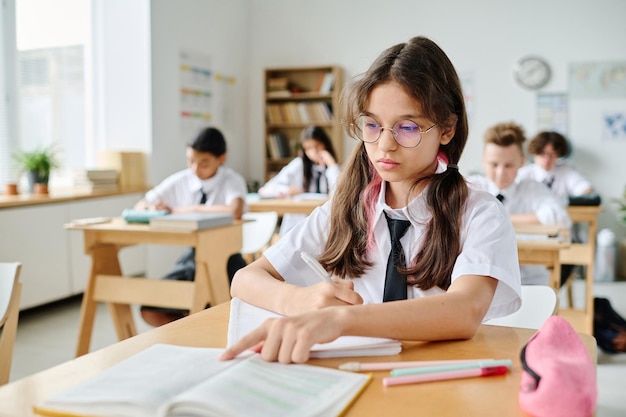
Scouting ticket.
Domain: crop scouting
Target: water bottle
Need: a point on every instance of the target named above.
(605, 256)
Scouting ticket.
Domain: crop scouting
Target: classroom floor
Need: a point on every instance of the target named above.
(47, 336)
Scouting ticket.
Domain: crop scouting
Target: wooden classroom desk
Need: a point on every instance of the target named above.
(103, 241)
(485, 397)
(543, 252)
(285, 205)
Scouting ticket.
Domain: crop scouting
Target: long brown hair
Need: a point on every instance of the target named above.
(426, 73)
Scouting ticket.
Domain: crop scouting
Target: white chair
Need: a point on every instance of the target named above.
(258, 229)
(538, 303)
(10, 291)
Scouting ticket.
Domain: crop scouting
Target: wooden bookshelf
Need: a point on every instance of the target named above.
(297, 97)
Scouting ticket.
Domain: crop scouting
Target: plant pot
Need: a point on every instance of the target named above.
(40, 189)
(10, 188)
(35, 178)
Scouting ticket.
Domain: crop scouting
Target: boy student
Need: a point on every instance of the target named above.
(402, 179)
(205, 186)
(526, 201)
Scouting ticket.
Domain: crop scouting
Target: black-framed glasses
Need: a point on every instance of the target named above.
(406, 133)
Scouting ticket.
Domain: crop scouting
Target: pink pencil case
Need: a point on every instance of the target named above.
(559, 377)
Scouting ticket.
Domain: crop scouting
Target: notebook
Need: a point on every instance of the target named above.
(168, 381)
(245, 317)
(191, 221)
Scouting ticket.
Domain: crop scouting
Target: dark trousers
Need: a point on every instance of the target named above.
(185, 270)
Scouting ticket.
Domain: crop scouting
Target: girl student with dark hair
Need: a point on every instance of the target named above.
(547, 149)
(407, 112)
(315, 170)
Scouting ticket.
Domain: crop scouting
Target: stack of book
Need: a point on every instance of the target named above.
(278, 87)
(191, 221)
(94, 180)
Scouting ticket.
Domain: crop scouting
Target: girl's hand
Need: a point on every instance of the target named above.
(326, 159)
(324, 294)
(290, 339)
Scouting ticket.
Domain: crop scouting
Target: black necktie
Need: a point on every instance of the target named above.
(203, 198)
(395, 282)
(318, 177)
(549, 181)
(500, 197)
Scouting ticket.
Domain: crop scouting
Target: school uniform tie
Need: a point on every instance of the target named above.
(500, 198)
(395, 282)
(549, 181)
(203, 198)
(318, 178)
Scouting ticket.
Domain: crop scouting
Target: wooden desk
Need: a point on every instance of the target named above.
(485, 397)
(543, 252)
(285, 205)
(106, 283)
(582, 254)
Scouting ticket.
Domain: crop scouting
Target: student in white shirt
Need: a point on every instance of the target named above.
(205, 186)
(526, 201)
(408, 112)
(547, 149)
(315, 170)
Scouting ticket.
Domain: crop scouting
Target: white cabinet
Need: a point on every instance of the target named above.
(54, 263)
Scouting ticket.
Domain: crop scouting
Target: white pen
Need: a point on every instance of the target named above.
(316, 267)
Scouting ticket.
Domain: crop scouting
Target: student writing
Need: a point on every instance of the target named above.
(526, 201)
(205, 186)
(407, 112)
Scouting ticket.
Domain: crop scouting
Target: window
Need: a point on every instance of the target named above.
(51, 37)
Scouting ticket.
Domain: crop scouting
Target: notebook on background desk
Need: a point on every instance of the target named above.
(245, 317)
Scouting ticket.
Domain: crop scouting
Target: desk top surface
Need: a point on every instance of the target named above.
(494, 396)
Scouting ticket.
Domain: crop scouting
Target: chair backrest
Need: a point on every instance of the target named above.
(10, 292)
(258, 231)
(538, 303)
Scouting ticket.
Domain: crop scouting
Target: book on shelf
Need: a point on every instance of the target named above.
(327, 83)
(191, 221)
(278, 146)
(167, 380)
(245, 317)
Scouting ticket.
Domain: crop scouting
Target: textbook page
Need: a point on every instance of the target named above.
(245, 317)
(170, 381)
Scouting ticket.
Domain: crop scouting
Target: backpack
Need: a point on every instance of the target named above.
(607, 324)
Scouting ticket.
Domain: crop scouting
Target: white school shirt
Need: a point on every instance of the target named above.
(183, 188)
(488, 247)
(567, 181)
(292, 175)
(523, 197)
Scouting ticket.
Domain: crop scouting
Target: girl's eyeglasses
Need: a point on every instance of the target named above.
(406, 133)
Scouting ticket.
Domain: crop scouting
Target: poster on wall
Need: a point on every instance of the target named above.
(552, 110)
(196, 93)
(614, 125)
(597, 79)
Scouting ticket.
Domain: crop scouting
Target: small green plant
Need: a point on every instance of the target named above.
(39, 162)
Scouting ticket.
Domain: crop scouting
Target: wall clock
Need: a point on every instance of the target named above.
(532, 72)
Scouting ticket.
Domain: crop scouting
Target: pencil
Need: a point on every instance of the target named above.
(441, 376)
(316, 267)
(386, 366)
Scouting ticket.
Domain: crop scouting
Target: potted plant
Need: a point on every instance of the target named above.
(38, 164)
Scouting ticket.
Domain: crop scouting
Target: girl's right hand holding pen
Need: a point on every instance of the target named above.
(339, 292)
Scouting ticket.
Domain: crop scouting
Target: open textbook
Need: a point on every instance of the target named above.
(167, 380)
(245, 317)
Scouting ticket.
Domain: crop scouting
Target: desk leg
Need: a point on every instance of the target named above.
(212, 255)
(103, 261)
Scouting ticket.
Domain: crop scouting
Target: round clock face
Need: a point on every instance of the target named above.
(532, 72)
